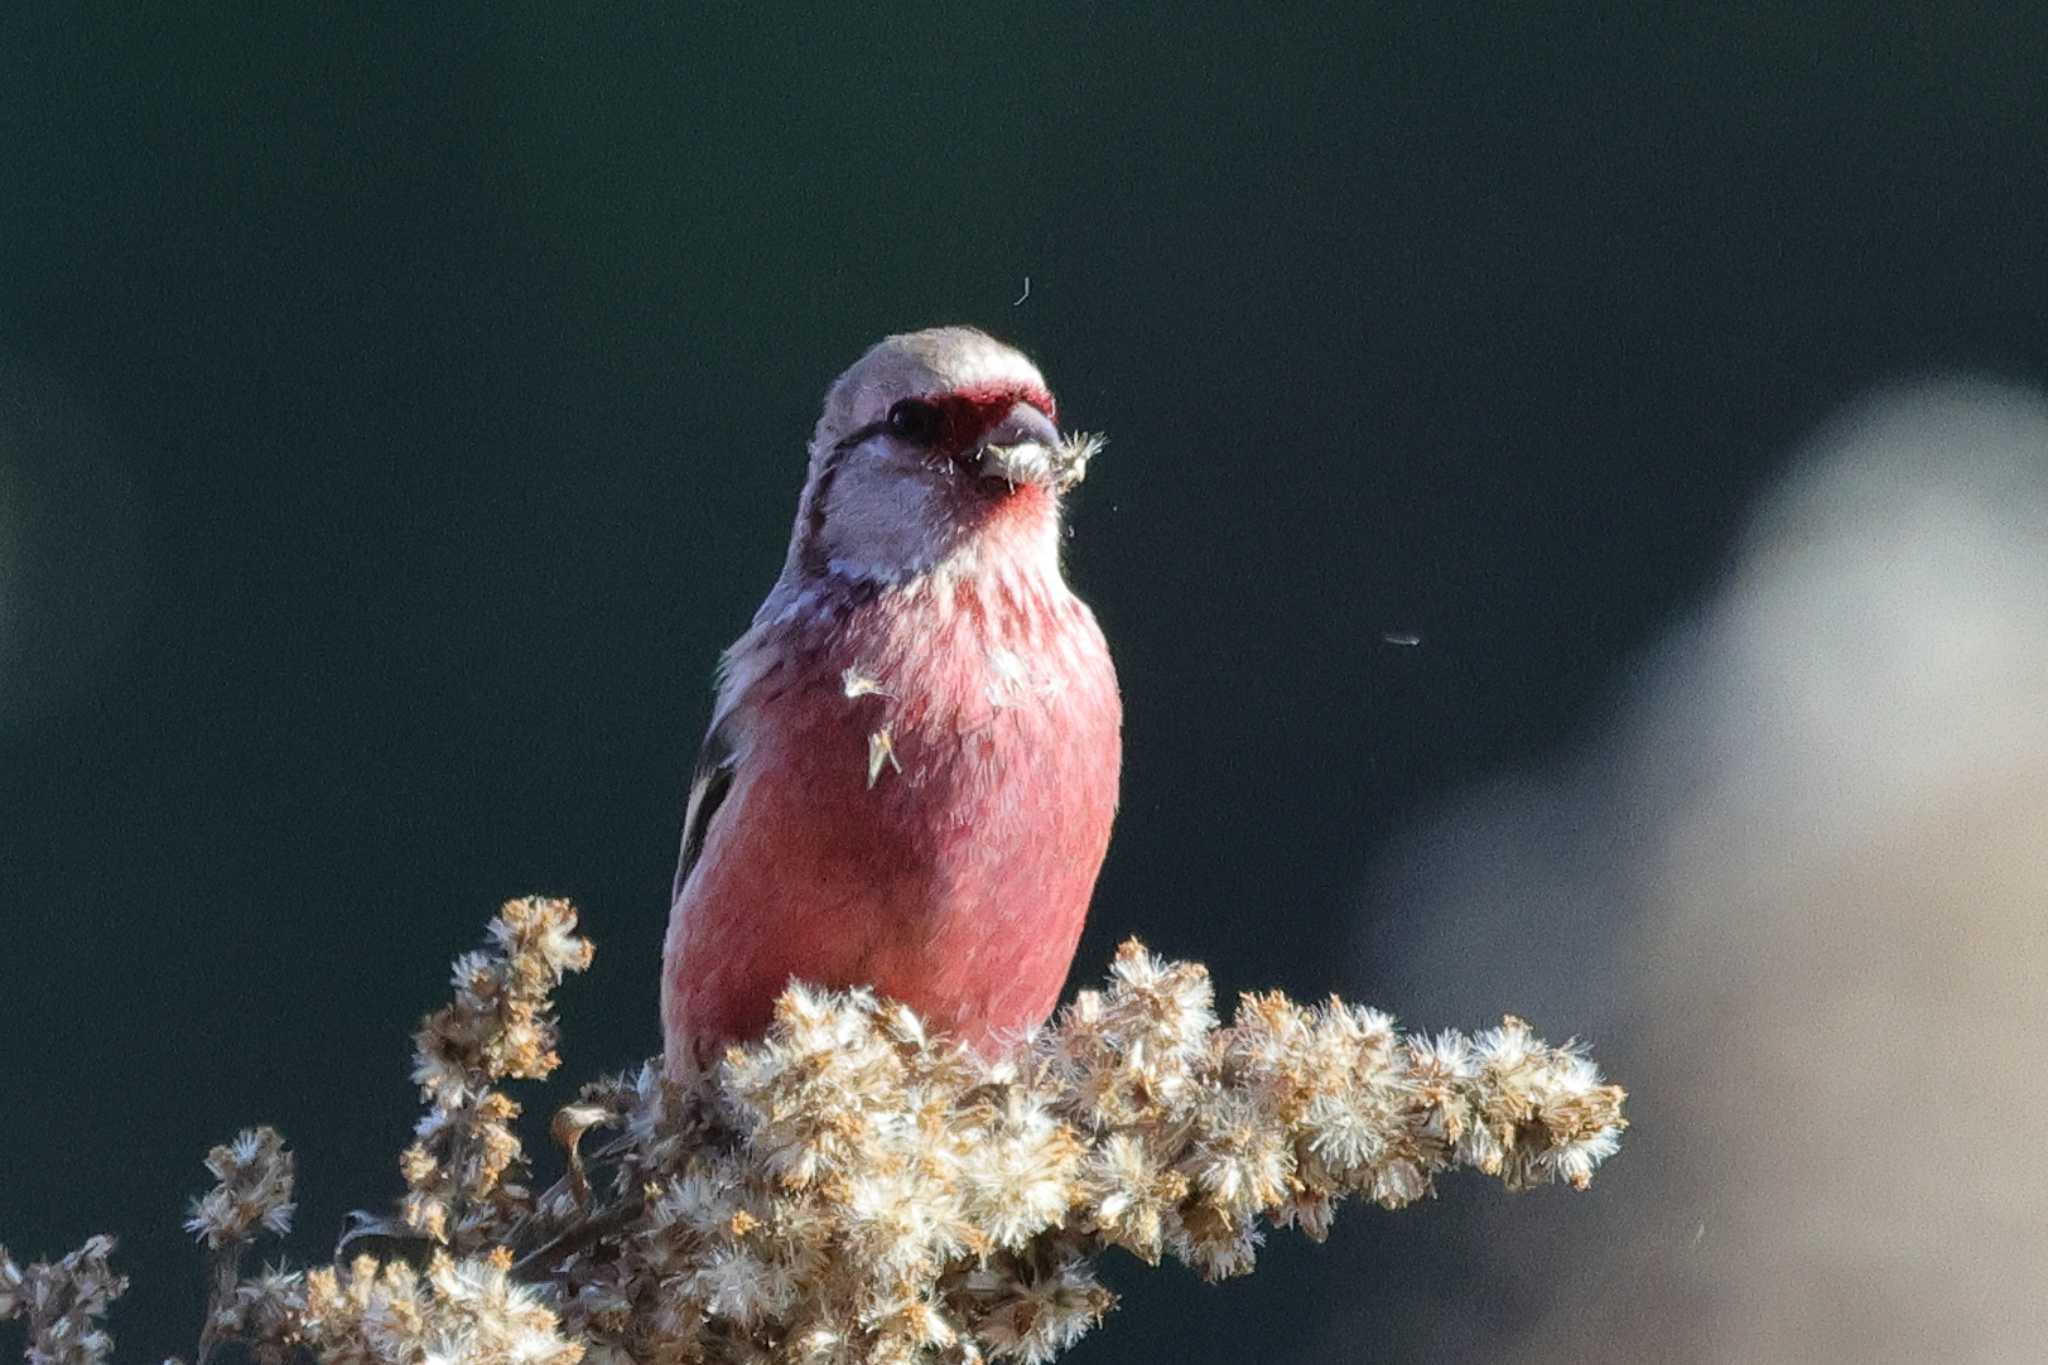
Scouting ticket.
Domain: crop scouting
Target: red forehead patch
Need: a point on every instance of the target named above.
(968, 412)
(996, 399)
(1001, 396)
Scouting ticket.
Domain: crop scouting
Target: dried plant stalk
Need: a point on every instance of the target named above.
(854, 1189)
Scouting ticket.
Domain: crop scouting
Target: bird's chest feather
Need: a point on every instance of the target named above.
(923, 793)
(949, 735)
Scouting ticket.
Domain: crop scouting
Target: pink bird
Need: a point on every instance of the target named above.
(912, 764)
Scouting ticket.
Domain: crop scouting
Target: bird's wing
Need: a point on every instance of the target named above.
(710, 783)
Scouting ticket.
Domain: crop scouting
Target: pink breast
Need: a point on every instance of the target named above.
(958, 879)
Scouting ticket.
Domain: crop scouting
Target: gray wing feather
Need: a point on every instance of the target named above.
(710, 783)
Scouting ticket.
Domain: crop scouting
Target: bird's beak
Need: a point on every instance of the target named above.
(1023, 447)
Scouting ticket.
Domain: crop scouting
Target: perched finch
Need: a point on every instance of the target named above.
(911, 768)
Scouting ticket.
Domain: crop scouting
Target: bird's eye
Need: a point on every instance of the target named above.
(914, 421)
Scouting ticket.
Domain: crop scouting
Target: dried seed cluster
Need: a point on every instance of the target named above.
(854, 1189)
(63, 1303)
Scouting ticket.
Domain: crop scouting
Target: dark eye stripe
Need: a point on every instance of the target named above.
(854, 438)
(812, 551)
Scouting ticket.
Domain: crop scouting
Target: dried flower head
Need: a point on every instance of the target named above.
(255, 1190)
(852, 1187)
(464, 1168)
(63, 1303)
(466, 1311)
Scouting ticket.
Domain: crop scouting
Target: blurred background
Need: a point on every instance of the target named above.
(1575, 540)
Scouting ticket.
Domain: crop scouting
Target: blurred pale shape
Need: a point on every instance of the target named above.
(1799, 896)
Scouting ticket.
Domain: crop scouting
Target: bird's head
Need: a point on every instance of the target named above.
(934, 449)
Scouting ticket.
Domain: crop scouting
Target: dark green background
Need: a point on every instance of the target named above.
(403, 409)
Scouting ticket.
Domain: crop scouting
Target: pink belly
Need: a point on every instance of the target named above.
(957, 882)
